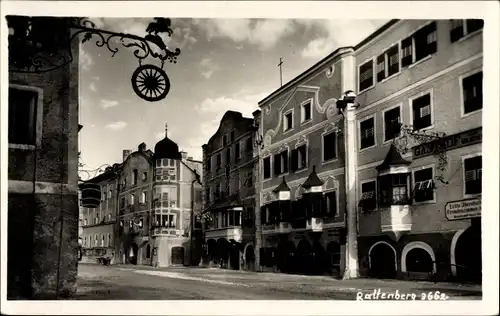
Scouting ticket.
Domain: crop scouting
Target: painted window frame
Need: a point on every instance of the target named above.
(337, 201)
(286, 160)
(297, 146)
(38, 119)
(374, 79)
(431, 111)
(462, 99)
(308, 102)
(415, 62)
(285, 120)
(386, 63)
(401, 121)
(434, 189)
(374, 117)
(465, 195)
(336, 147)
(270, 156)
(368, 180)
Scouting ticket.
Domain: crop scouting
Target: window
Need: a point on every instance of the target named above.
(158, 163)
(281, 163)
(102, 240)
(122, 202)
(232, 136)
(144, 197)
(392, 120)
(267, 167)
(330, 146)
(85, 222)
(228, 156)
(217, 191)
(472, 92)
(421, 109)
(237, 154)
(96, 239)
(208, 163)
(288, 121)
(224, 140)
(393, 189)
(368, 199)
(218, 161)
(305, 111)
(299, 158)
(424, 186)
(132, 199)
(109, 240)
(104, 194)
(109, 217)
(134, 177)
(461, 28)
(367, 133)
(419, 45)
(110, 191)
(388, 63)
(144, 176)
(249, 145)
(331, 204)
(23, 114)
(365, 75)
(473, 175)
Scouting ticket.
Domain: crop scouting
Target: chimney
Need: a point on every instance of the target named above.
(126, 153)
(166, 130)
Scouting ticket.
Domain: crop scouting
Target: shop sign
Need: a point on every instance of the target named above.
(470, 137)
(463, 209)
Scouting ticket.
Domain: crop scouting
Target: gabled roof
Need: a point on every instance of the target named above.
(393, 158)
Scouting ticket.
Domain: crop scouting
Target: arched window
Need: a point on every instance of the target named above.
(96, 240)
(109, 240)
(102, 240)
(132, 199)
(84, 241)
(144, 197)
(134, 177)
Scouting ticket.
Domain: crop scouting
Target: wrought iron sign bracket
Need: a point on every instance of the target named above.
(35, 47)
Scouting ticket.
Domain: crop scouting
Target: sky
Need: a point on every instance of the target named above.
(225, 64)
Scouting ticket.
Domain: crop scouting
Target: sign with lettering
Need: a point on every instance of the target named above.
(470, 137)
(464, 209)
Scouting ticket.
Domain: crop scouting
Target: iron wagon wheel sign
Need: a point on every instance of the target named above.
(150, 83)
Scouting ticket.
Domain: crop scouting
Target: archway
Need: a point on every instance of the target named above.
(223, 251)
(177, 255)
(234, 255)
(382, 260)
(250, 258)
(319, 265)
(212, 250)
(418, 256)
(304, 257)
(468, 260)
(285, 254)
(133, 253)
(333, 257)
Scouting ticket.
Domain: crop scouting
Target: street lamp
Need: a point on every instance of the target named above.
(346, 106)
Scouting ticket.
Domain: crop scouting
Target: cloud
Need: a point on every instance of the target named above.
(92, 86)
(209, 67)
(116, 125)
(336, 33)
(85, 59)
(264, 33)
(105, 104)
(243, 101)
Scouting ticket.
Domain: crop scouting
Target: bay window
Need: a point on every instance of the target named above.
(393, 189)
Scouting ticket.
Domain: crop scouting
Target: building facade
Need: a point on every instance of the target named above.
(147, 209)
(98, 235)
(301, 216)
(419, 191)
(42, 247)
(229, 194)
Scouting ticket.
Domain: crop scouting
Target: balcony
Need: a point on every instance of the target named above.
(230, 233)
(158, 231)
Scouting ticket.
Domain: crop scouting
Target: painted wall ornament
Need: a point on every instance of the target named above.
(35, 47)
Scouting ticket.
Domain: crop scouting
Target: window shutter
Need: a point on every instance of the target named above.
(381, 67)
(294, 159)
(407, 53)
(431, 38)
(457, 30)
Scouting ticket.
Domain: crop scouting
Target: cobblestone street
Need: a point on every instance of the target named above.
(98, 282)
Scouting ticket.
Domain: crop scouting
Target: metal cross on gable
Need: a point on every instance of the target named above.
(43, 44)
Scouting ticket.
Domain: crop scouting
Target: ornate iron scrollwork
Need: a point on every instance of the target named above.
(35, 47)
(409, 138)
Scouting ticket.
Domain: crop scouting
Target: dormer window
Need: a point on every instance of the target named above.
(305, 111)
(134, 177)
